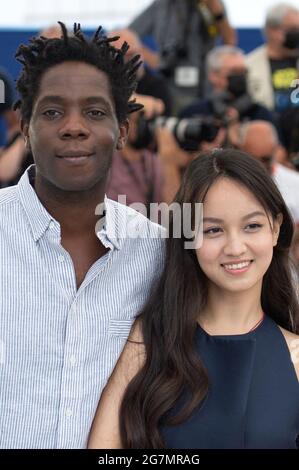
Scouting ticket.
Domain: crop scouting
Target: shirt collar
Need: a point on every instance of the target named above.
(39, 218)
(108, 228)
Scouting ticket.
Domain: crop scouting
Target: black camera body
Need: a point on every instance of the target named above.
(222, 101)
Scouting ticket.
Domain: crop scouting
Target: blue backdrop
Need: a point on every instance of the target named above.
(10, 40)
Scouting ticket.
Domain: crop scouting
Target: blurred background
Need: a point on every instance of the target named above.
(20, 19)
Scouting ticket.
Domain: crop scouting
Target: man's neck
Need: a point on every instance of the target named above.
(75, 211)
(279, 53)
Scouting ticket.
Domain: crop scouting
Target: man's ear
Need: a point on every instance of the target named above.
(213, 78)
(25, 132)
(123, 134)
(276, 228)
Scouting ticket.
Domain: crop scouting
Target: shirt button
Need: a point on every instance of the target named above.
(73, 309)
(73, 360)
(61, 259)
(51, 225)
(68, 412)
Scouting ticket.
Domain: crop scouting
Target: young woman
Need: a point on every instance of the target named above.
(213, 360)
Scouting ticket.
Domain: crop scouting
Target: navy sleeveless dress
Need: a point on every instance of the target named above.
(253, 398)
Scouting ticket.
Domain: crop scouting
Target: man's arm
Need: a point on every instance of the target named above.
(173, 159)
(151, 57)
(225, 30)
(143, 25)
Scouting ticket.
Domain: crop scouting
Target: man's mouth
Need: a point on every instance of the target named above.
(75, 156)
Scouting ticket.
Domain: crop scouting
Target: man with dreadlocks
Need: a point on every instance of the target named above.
(68, 292)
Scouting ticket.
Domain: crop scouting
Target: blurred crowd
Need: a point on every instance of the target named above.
(199, 91)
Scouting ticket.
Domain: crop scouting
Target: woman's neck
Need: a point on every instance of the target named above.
(231, 313)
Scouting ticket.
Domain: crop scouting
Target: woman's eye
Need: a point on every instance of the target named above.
(254, 226)
(212, 231)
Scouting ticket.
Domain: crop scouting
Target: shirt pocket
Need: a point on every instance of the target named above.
(120, 328)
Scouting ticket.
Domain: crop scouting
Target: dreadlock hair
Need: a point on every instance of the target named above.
(43, 53)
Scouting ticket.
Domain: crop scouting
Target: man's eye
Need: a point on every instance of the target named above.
(51, 113)
(96, 113)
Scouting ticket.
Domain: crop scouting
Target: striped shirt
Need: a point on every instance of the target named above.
(59, 344)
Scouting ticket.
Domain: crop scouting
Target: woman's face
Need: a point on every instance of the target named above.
(238, 238)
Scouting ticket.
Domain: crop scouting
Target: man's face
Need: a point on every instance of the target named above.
(277, 35)
(232, 64)
(291, 21)
(260, 145)
(73, 130)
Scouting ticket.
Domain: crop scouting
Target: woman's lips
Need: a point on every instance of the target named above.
(237, 268)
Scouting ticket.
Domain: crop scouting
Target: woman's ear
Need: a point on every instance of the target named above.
(276, 228)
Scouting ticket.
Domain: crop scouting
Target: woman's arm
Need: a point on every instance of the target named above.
(105, 432)
(292, 341)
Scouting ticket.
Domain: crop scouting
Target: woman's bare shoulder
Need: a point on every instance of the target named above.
(292, 341)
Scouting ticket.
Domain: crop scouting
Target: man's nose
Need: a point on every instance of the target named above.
(74, 127)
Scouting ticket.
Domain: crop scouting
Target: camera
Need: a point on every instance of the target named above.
(222, 101)
(169, 58)
(189, 132)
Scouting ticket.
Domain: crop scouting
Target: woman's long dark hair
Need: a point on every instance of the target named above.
(169, 319)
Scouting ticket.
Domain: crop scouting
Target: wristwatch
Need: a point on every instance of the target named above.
(219, 16)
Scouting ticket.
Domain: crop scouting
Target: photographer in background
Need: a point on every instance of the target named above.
(149, 83)
(183, 31)
(260, 139)
(273, 66)
(289, 129)
(229, 101)
(136, 172)
(13, 154)
(150, 166)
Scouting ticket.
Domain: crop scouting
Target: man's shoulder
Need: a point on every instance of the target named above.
(260, 112)
(258, 53)
(7, 196)
(202, 106)
(135, 223)
(292, 176)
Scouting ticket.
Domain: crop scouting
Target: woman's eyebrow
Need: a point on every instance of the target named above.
(248, 216)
